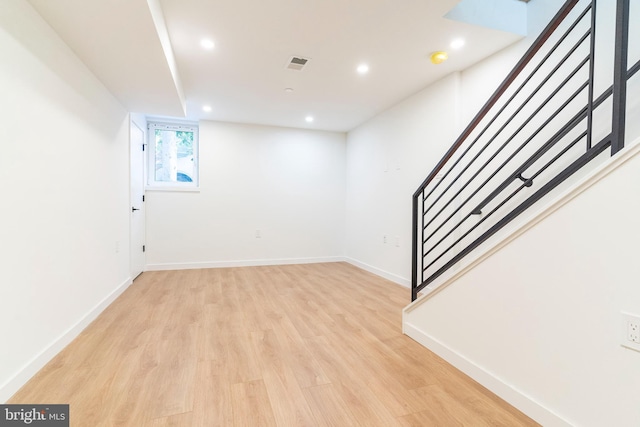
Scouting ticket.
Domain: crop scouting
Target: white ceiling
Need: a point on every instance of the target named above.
(243, 78)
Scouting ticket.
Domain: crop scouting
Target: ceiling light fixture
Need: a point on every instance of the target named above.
(206, 108)
(308, 119)
(288, 89)
(207, 44)
(439, 57)
(457, 43)
(363, 69)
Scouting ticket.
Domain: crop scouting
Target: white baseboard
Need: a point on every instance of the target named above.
(242, 263)
(513, 396)
(378, 272)
(283, 261)
(11, 386)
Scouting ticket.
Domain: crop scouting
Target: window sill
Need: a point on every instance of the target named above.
(176, 189)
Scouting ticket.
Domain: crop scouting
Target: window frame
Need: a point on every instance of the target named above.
(152, 184)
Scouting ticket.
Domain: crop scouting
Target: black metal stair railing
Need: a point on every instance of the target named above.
(541, 126)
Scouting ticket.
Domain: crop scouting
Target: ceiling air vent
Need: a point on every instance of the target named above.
(297, 63)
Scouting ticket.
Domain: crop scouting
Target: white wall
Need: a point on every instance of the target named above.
(64, 207)
(386, 161)
(413, 135)
(287, 183)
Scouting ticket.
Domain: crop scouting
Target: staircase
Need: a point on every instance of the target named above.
(525, 234)
(561, 109)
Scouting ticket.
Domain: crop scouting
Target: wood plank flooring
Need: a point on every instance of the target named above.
(300, 345)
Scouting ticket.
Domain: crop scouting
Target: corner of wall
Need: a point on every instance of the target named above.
(29, 369)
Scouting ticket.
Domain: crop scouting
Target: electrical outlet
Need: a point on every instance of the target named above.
(258, 234)
(631, 331)
(384, 239)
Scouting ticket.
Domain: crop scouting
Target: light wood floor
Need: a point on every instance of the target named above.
(302, 345)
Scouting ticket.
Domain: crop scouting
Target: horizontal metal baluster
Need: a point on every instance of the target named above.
(575, 120)
(524, 166)
(506, 200)
(575, 94)
(506, 104)
(553, 183)
(559, 17)
(478, 209)
(495, 172)
(539, 153)
(520, 108)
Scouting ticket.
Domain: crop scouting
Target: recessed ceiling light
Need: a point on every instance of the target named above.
(288, 89)
(457, 43)
(363, 69)
(309, 119)
(206, 108)
(207, 44)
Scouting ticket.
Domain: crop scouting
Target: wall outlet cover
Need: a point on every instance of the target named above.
(630, 331)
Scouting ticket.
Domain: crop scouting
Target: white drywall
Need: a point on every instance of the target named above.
(64, 219)
(287, 183)
(386, 161)
(389, 156)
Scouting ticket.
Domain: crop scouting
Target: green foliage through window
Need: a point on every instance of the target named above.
(174, 152)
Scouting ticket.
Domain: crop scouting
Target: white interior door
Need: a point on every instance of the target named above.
(137, 201)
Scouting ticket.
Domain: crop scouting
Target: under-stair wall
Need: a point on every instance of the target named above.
(538, 321)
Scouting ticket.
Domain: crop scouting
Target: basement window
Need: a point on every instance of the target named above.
(173, 155)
